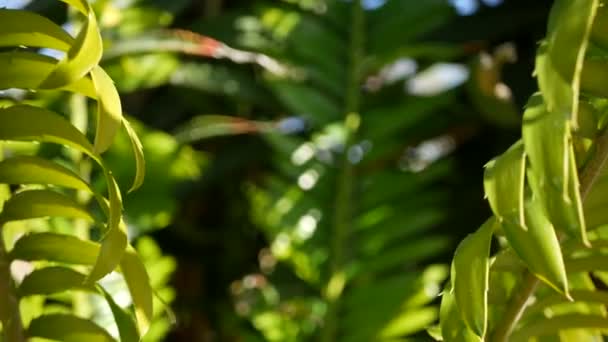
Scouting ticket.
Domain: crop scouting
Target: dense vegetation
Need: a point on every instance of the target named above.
(310, 168)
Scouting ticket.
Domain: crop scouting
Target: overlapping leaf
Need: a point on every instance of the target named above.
(76, 71)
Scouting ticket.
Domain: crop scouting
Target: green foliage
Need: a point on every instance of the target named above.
(96, 234)
(346, 226)
(344, 179)
(546, 192)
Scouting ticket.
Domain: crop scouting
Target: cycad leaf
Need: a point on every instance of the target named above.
(558, 323)
(82, 57)
(34, 170)
(69, 249)
(28, 70)
(30, 29)
(452, 326)
(67, 328)
(470, 277)
(41, 203)
(564, 53)
(32, 123)
(54, 279)
(410, 321)
(115, 241)
(138, 281)
(138, 153)
(546, 138)
(109, 110)
(125, 323)
(81, 5)
(26, 123)
(503, 181)
(55, 247)
(539, 247)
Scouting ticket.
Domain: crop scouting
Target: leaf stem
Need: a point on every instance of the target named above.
(344, 191)
(9, 303)
(594, 167)
(517, 306)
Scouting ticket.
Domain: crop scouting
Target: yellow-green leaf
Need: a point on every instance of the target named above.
(452, 325)
(82, 57)
(558, 323)
(27, 123)
(109, 110)
(138, 281)
(41, 203)
(127, 328)
(54, 279)
(27, 70)
(138, 152)
(539, 247)
(26, 28)
(564, 53)
(67, 328)
(503, 181)
(34, 170)
(546, 137)
(115, 241)
(55, 247)
(71, 250)
(470, 277)
(81, 5)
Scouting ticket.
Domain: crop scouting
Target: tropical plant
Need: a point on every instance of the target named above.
(546, 278)
(353, 205)
(86, 238)
(350, 218)
(346, 133)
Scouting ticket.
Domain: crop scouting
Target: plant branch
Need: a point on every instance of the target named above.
(344, 191)
(516, 308)
(595, 166)
(9, 303)
(588, 176)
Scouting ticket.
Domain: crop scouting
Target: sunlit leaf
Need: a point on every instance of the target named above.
(34, 170)
(41, 203)
(82, 57)
(138, 282)
(125, 323)
(453, 327)
(28, 70)
(114, 242)
(26, 123)
(138, 153)
(67, 328)
(25, 28)
(109, 110)
(561, 58)
(55, 247)
(558, 323)
(539, 247)
(504, 181)
(546, 137)
(51, 280)
(470, 277)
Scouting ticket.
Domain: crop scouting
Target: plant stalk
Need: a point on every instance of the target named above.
(9, 303)
(342, 207)
(79, 117)
(12, 327)
(588, 177)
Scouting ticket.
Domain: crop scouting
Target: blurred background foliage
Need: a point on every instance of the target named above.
(311, 163)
